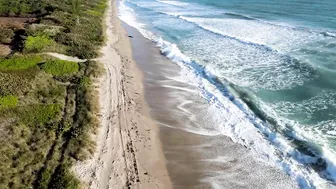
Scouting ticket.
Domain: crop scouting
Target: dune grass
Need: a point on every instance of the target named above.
(22, 62)
(8, 101)
(39, 115)
(37, 43)
(60, 67)
(17, 82)
(48, 107)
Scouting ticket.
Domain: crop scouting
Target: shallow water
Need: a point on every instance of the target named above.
(265, 69)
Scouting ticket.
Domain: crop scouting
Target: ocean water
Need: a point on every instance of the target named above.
(266, 68)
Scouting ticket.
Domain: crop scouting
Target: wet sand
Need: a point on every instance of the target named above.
(196, 156)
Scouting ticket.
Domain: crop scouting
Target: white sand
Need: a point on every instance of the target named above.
(128, 153)
(65, 57)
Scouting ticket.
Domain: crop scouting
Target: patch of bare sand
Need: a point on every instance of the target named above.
(128, 153)
(65, 57)
(4, 50)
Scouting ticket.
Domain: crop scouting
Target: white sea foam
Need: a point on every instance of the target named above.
(331, 34)
(234, 119)
(246, 65)
(283, 39)
(323, 101)
(177, 9)
(315, 134)
(175, 3)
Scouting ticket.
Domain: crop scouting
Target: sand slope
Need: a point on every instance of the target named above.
(128, 153)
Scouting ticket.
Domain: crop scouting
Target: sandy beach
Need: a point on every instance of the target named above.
(128, 150)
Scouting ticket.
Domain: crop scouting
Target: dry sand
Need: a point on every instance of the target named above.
(65, 57)
(128, 153)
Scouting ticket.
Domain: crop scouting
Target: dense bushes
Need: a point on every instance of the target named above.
(80, 21)
(84, 34)
(21, 7)
(63, 179)
(84, 39)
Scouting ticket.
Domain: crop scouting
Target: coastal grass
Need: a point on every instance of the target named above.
(23, 151)
(8, 101)
(60, 67)
(64, 178)
(40, 115)
(19, 62)
(48, 106)
(17, 82)
(64, 109)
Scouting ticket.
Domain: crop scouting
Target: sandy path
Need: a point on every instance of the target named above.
(65, 57)
(128, 153)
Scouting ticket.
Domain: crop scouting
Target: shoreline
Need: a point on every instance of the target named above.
(128, 150)
(195, 156)
(143, 141)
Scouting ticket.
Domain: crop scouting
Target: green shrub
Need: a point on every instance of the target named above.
(37, 44)
(40, 114)
(45, 178)
(98, 11)
(19, 62)
(85, 82)
(21, 7)
(79, 46)
(8, 101)
(76, 6)
(94, 13)
(63, 179)
(60, 67)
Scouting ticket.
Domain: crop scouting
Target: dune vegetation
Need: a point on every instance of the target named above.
(48, 107)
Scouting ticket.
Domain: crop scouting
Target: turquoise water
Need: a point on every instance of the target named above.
(304, 13)
(263, 63)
